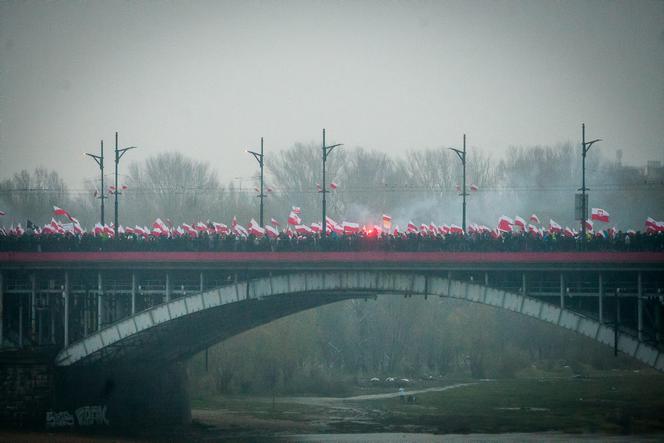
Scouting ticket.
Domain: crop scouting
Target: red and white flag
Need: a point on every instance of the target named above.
(271, 231)
(316, 227)
(350, 228)
(60, 211)
(589, 225)
(333, 185)
(303, 229)
(240, 230)
(505, 224)
(534, 219)
(297, 210)
(600, 214)
(554, 227)
(294, 219)
(274, 222)
(455, 229)
(220, 228)
(474, 188)
(411, 227)
(521, 223)
(255, 229)
(568, 232)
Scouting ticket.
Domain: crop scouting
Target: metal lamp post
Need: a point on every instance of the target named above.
(585, 147)
(326, 152)
(100, 161)
(462, 156)
(260, 159)
(118, 155)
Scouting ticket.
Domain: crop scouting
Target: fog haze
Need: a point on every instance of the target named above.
(210, 78)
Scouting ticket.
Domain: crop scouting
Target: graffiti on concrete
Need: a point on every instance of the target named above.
(84, 416)
(59, 419)
(91, 415)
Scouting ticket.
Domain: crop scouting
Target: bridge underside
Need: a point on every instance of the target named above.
(179, 328)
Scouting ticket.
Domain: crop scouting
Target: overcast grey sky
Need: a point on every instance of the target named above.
(210, 78)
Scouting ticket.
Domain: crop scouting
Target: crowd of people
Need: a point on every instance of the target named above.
(286, 241)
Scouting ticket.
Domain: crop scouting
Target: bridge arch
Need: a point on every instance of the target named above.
(180, 328)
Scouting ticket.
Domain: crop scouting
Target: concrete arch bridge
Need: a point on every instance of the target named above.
(122, 325)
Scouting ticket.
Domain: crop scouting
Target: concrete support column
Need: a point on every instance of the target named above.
(639, 306)
(600, 294)
(33, 305)
(658, 321)
(202, 281)
(65, 295)
(20, 323)
(168, 287)
(51, 310)
(100, 301)
(524, 284)
(2, 301)
(133, 293)
(486, 279)
(562, 291)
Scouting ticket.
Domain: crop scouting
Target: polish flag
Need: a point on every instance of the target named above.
(433, 229)
(318, 188)
(496, 234)
(554, 227)
(589, 225)
(600, 234)
(317, 227)
(220, 228)
(255, 229)
(455, 229)
(129, 230)
(653, 225)
(297, 210)
(274, 222)
(108, 230)
(505, 224)
(351, 228)
(521, 223)
(600, 214)
(474, 188)
(189, 230)
(97, 231)
(294, 219)
(240, 230)
(333, 185)
(613, 232)
(303, 229)
(411, 227)
(159, 224)
(444, 229)
(534, 219)
(271, 232)
(234, 222)
(396, 231)
(567, 232)
(60, 211)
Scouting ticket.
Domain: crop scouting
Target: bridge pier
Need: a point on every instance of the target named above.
(123, 397)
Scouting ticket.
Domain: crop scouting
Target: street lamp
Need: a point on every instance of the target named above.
(260, 159)
(326, 152)
(585, 147)
(118, 155)
(462, 156)
(100, 161)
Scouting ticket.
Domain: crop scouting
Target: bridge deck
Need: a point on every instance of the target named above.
(321, 259)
